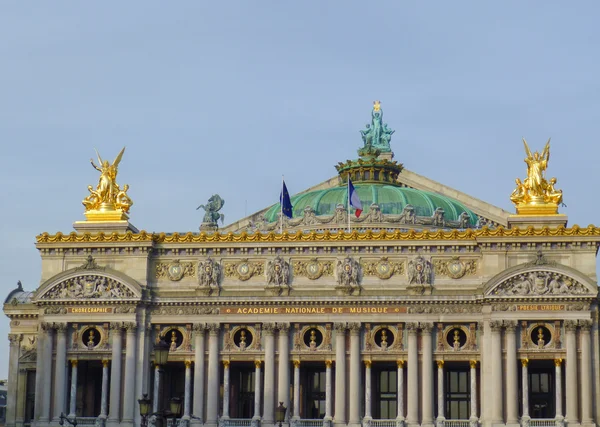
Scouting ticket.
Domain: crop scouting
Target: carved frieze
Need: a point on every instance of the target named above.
(420, 275)
(540, 283)
(313, 268)
(244, 269)
(444, 309)
(348, 274)
(277, 275)
(209, 275)
(383, 268)
(174, 270)
(455, 268)
(183, 310)
(89, 286)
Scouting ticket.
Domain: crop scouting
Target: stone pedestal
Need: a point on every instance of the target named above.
(537, 221)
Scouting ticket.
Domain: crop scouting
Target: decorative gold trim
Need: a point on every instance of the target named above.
(313, 236)
(257, 363)
(226, 363)
(296, 363)
(188, 363)
(400, 363)
(525, 362)
(473, 364)
(558, 362)
(105, 363)
(328, 363)
(440, 363)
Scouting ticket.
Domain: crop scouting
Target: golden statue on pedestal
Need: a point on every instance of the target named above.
(108, 202)
(535, 195)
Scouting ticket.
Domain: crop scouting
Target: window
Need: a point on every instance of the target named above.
(244, 399)
(458, 396)
(386, 403)
(541, 393)
(314, 386)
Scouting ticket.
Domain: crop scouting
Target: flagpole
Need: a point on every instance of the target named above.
(348, 202)
(281, 207)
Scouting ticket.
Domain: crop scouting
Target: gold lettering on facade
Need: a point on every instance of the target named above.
(314, 310)
(540, 307)
(89, 310)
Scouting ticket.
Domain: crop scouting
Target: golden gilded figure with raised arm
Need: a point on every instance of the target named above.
(108, 202)
(535, 195)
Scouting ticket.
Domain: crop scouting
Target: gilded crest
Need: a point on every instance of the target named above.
(314, 269)
(384, 269)
(175, 271)
(244, 270)
(456, 268)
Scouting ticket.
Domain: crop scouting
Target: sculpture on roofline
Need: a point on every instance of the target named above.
(212, 215)
(376, 135)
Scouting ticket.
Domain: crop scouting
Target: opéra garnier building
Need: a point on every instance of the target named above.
(436, 308)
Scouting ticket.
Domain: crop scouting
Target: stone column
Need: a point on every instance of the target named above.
(269, 392)
(571, 374)
(60, 371)
(328, 390)
(440, 394)
(412, 415)
(226, 387)
(187, 392)
(559, 418)
(13, 378)
(104, 396)
(354, 373)
(400, 393)
(525, 395)
(586, 372)
(427, 395)
(296, 390)
(47, 374)
(497, 410)
(212, 392)
(340, 373)
(473, 419)
(283, 382)
(368, 416)
(129, 400)
(39, 372)
(257, 388)
(73, 400)
(115, 373)
(199, 351)
(512, 374)
(21, 397)
(156, 397)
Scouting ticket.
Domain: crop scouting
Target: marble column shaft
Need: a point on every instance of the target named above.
(473, 366)
(226, 389)
(558, 386)
(269, 376)
(497, 409)
(328, 389)
(60, 372)
(157, 390)
(199, 372)
(47, 373)
(355, 374)
(39, 376)
(571, 373)
(512, 375)
(427, 390)
(104, 391)
(73, 398)
(296, 389)
(257, 388)
(400, 390)
(115, 374)
(586, 372)
(13, 378)
(283, 383)
(368, 391)
(412, 416)
(129, 400)
(525, 386)
(340, 373)
(440, 392)
(212, 392)
(188, 390)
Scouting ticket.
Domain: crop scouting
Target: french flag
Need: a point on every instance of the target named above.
(353, 198)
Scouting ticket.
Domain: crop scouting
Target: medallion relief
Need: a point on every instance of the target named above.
(383, 268)
(174, 270)
(89, 286)
(244, 269)
(454, 268)
(313, 268)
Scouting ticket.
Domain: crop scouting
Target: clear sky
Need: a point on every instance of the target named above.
(225, 97)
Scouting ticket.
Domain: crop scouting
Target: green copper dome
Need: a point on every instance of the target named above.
(390, 198)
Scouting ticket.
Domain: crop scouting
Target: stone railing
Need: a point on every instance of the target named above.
(235, 422)
(382, 423)
(542, 422)
(308, 423)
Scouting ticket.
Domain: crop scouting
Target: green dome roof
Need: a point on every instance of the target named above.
(391, 200)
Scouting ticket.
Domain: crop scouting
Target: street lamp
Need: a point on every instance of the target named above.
(280, 413)
(175, 406)
(63, 418)
(145, 403)
(161, 352)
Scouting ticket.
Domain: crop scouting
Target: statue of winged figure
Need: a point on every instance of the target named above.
(107, 195)
(212, 215)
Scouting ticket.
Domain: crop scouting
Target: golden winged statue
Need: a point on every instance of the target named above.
(108, 197)
(536, 195)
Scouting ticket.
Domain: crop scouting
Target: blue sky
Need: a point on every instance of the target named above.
(225, 97)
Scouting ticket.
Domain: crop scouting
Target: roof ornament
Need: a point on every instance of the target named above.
(108, 202)
(376, 135)
(536, 195)
(212, 215)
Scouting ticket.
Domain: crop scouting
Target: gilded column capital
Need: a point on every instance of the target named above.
(340, 327)
(440, 364)
(15, 339)
(426, 327)
(45, 327)
(199, 327)
(105, 363)
(284, 327)
(258, 363)
(130, 327)
(61, 327)
(74, 362)
(525, 362)
(571, 325)
(510, 325)
(586, 325)
(213, 328)
(188, 363)
(296, 363)
(269, 328)
(400, 364)
(116, 326)
(328, 363)
(496, 325)
(558, 362)
(473, 364)
(226, 364)
(354, 328)
(412, 327)
(367, 363)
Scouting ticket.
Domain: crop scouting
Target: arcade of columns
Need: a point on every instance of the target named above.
(497, 407)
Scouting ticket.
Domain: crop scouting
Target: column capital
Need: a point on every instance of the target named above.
(61, 327)
(426, 327)
(74, 363)
(284, 327)
(130, 327)
(269, 328)
(188, 363)
(440, 364)
(473, 364)
(340, 327)
(510, 325)
(558, 362)
(213, 328)
(45, 326)
(571, 325)
(400, 363)
(354, 328)
(412, 327)
(199, 327)
(586, 325)
(328, 363)
(258, 363)
(525, 362)
(296, 363)
(496, 325)
(226, 364)
(15, 339)
(368, 363)
(116, 326)
(105, 363)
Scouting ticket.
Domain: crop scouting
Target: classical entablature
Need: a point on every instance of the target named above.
(540, 279)
(89, 283)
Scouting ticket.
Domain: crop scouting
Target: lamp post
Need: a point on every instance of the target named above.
(144, 403)
(280, 414)
(63, 418)
(173, 411)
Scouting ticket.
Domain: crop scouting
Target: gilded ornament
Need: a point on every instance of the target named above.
(536, 195)
(174, 270)
(108, 202)
(313, 269)
(383, 269)
(209, 275)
